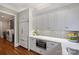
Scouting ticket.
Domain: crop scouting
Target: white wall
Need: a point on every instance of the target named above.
(4, 25)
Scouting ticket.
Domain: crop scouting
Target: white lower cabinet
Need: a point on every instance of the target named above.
(24, 27)
(40, 50)
(23, 34)
(52, 48)
(33, 44)
(34, 47)
(23, 43)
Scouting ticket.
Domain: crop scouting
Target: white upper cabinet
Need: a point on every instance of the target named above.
(52, 21)
(24, 16)
(41, 22)
(56, 21)
(44, 21)
(34, 26)
(62, 19)
(65, 20)
(72, 20)
(36, 22)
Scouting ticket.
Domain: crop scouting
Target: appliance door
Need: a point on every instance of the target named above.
(41, 44)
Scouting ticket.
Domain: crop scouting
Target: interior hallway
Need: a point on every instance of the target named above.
(7, 48)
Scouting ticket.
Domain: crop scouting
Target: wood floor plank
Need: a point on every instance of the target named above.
(7, 48)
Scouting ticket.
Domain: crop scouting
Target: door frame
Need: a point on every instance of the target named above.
(15, 26)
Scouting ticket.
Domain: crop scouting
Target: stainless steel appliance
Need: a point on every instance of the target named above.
(41, 44)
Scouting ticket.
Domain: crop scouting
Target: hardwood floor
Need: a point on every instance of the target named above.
(7, 48)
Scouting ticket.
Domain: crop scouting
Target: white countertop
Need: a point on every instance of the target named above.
(50, 38)
(64, 42)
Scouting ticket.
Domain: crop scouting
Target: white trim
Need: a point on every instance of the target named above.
(16, 45)
(15, 26)
(15, 29)
(22, 10)
(7, 13)
(9, 7)
(14, 8)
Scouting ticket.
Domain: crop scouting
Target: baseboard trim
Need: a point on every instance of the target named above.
(16, 45)
(35, 52)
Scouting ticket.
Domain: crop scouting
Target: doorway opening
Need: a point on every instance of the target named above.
(7, 29)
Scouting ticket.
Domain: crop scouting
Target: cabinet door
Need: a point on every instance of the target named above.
(20, 32)
(52, 21)
(46, 21)
(33, 44)
(23, 28)
(72, 22)
(23, 15)
(61, 20)
(68, 19)
(24, 33)
(43, 21)
(35, 24)
(65, 19)
(39, 22)
(54, 48)
(57, 20)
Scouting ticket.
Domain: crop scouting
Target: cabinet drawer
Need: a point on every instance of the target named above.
(33, 47)
(52, 44)
(33, 41)
(40, 50)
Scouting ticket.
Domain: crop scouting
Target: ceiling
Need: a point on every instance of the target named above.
(5, 17)
(21, 6)
(36, 6)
